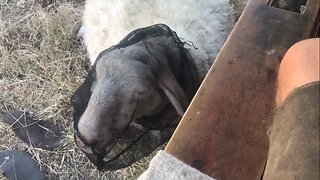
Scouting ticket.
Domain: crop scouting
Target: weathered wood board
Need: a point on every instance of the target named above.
(224, 132)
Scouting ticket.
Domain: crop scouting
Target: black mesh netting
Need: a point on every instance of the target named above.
(144, 135)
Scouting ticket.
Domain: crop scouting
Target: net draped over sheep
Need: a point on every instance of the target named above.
(133, 96)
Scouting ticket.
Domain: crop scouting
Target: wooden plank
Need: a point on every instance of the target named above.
(224, 131)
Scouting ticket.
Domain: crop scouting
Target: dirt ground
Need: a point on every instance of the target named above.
(41, 65)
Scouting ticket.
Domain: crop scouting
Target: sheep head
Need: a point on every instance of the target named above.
(125, 85)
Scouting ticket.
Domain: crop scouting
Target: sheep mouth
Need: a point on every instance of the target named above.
(126, 148)
(132, 145)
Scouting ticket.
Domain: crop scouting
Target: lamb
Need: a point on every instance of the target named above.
(145, 82)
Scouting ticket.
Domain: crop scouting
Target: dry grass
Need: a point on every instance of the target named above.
(41, 65)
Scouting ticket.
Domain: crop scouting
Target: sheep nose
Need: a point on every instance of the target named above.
(94, 145)
(89, 133)
(84, 144)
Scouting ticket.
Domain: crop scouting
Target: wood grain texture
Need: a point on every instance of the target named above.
(224, 132)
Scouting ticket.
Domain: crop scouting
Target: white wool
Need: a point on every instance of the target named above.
(166, 166)
(205, 23)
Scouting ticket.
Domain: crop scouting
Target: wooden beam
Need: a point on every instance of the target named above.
(224, 132)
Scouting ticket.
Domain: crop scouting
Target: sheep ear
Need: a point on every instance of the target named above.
(174, 92)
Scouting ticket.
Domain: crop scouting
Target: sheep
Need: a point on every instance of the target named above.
(204, 23)
(150, 76)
